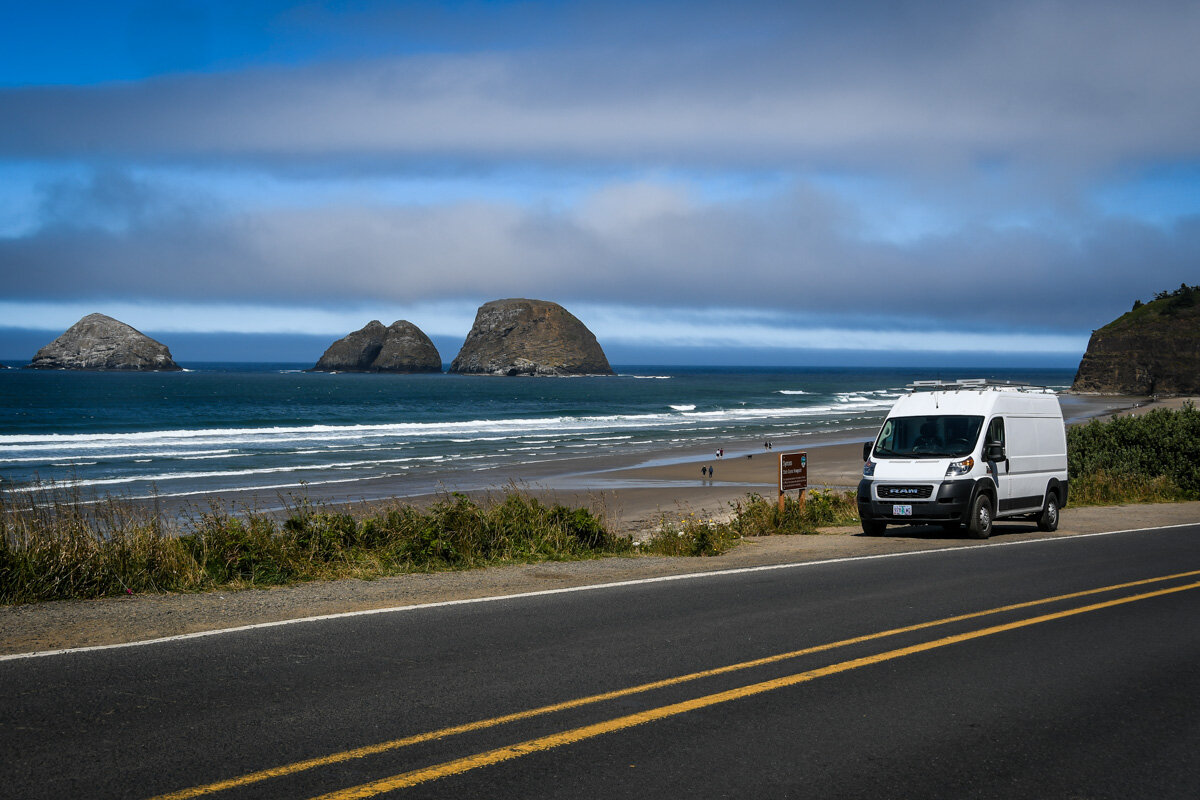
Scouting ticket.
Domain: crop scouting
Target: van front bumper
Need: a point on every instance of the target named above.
(948, 504)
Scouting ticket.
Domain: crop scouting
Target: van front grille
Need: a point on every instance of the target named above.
(897, 492)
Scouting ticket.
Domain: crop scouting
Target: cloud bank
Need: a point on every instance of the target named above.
(864, 167)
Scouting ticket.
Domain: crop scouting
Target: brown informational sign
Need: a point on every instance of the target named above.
(793, 471)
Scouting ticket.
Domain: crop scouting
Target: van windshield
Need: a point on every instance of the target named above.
(939, 436)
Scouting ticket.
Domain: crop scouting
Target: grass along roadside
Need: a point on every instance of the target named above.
(57, 545)
(53, 545)
(754, 515)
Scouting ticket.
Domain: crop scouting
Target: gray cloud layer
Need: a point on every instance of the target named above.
(990, 111)
(638, 243)
(1054, 82)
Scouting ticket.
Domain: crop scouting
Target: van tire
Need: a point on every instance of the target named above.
(979, 523)
(873, 527)
(1048, 519)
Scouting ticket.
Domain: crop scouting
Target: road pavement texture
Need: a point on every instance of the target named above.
(1023, 667)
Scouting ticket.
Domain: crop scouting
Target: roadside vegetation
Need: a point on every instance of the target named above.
(1152, 458)
(754, 516)
(54, 545)
(57, 545)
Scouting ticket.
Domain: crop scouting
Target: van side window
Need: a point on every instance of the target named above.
(995, 434)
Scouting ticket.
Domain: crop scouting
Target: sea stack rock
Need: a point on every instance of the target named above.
(400, 347)
(529, 337)
(1153, 349)
(98, 342)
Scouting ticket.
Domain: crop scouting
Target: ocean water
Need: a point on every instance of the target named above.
(273, 427)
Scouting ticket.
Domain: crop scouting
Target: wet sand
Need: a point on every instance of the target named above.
(1142, 405)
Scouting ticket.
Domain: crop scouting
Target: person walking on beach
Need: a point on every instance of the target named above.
(704, 472)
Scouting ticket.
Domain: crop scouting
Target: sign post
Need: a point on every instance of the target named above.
(793, 474)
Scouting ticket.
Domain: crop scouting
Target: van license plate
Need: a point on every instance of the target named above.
(902, 511)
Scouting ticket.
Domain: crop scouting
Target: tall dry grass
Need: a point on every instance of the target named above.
(56, 544)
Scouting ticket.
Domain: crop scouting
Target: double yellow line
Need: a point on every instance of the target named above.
(510, 752)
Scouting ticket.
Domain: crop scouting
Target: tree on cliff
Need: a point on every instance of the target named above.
(1152, 349)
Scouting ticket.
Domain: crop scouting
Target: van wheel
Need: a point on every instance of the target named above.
(979, 524)
(1048, 519)
(873, 527)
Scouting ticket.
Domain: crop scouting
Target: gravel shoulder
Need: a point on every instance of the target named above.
(69, 624)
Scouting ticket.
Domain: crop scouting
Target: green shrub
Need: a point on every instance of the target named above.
(1161, 444)
(754, 516)
(757, 516)
(233, 549)
(691, 536)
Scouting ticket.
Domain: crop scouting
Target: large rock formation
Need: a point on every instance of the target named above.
(529, 337)
(102, 343)
(400, 347)
(1153, 349)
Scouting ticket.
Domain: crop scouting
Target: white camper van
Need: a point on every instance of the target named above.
(966, 453)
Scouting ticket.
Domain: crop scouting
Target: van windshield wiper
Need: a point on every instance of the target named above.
(883, 452)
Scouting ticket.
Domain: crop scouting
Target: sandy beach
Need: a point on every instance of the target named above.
(634, 491)
(1141, 405)
(636, 496)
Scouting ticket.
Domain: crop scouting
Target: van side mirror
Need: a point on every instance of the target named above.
(993, 451)
(867, 450)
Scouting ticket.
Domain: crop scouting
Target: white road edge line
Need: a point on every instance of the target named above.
(587, 588)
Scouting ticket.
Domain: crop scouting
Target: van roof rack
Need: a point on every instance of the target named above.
(972, 383)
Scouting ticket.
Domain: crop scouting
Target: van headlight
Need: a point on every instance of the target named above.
(868, 469)
(960, 467)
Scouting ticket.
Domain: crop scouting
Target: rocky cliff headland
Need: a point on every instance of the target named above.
(400, 347)
(529, 337)
(1153, 349)
(99, 342)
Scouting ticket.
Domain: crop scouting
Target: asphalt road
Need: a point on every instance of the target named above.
(1090, 696)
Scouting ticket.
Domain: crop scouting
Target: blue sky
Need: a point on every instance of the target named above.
(693, 180)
